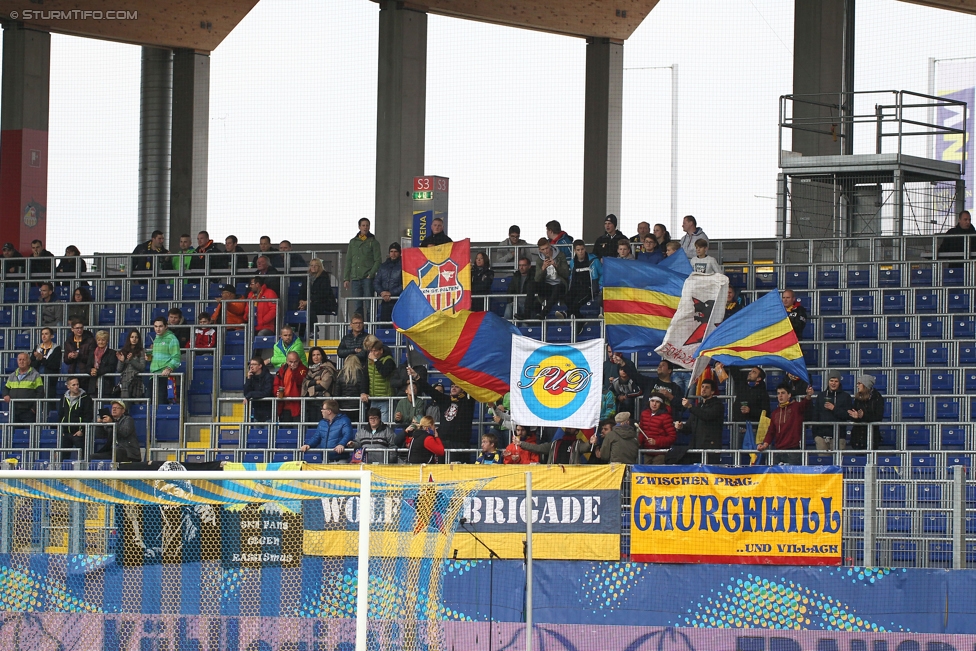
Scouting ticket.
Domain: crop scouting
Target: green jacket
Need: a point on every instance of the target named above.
(363, 258)
(165, 353)
(183, 258)
(379, 385)
(411, 413)
(31, 385)
(280, 355)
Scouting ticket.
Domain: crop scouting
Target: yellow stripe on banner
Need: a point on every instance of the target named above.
(793, 352)
(768, 333)
(639, 320)
(640, 295)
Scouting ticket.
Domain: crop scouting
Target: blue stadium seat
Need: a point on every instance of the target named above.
(256, 437)
(898, 522)
(838, 355)
(870, 356)
(953, 275)
(893, 303)
(947, 409)
(903, 356)
(855, 521)
(866, 329)
(889, 437)
(533, 332)
(853, 465)
(889, 277)
(264, 343)
(386, 335)
(106, 316)
(589, 331)
(953, 437)
(11, 294)
(821, 459)
(958, 301)
(139, 412)
(893, 495)
(926, 301)
(590, 310)
(889, 467)
(934, 521)
(797, 280)
(33, 294)
(970, 381)
(912, 409)
(191, 292)
(862, 303)
(133, 315)
(282, 457)
(165, 292)
(967, 354)
(880, 380)
(286, 437)
(199, 396)
(921, 276)
(832, 329)
(737, 279)
(28, 317)
(767, 280)
(810, 330)
(963, 328)
(936, 355)
(930, 328)
(923, 465)
(831, 304)
(899, 328)
(168, 423)
(234, 342)
(232, 373)
(903, 552)
(828, 279)
(139, 292)
(3, 339)
(811, 355)
(928, 495)
(853, 492)
(858, 278)
(22, 341)
(918, 438)
(6, 317)
(254, 457)
(942, 382)
(954, 461)
(559, 333)
(113, 293)
(501, 284)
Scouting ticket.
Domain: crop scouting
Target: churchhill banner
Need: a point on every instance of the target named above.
(772, 515)
(575, 513)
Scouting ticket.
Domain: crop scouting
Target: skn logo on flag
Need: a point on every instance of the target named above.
(443, 274)
(440, 284)
(701, 308)
(556, 385)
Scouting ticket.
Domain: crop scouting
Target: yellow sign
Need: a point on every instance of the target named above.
(776, 515)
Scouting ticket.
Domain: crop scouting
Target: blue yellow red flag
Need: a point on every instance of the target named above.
(759, 334)
(473, 349)
(639, 301)
(443, 274)
(677, 262)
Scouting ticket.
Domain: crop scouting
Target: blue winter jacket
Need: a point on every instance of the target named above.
(328, 435)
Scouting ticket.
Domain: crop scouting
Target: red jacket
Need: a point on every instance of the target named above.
(524, 456)
(659, 427)
(267, 312)
(293, 388)
(786, 425)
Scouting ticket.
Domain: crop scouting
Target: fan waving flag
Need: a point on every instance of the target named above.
(443, 274)
(473, 349)
(701, 308)
(759, 334)
(639, 301)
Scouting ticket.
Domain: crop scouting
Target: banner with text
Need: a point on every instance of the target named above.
(775, 515)
(701, 308)
(575, 512)
(956, 80)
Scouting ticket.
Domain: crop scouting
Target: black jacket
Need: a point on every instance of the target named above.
(257, 387)
(150, 258)
(842, 402)
(50, 364)
(321, 299)
(83, 411)
(436, 239)
(873, 413)
(606, 245)
(756, 396)
(704, 422)
(457, 414)
(349, 344)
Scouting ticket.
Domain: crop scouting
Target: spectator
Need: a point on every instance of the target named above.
(751, 398)
(425, 445)
(164, 358)
(288, 384)
(705, 419)
(702, 262)
(104, 362)
(74, 409)
(551, 277)
(514, 453)
(489, 450)
(147, 255)
(184, 256)
(733, 302)
(786, 426)
(606, 245)
(79, 348)
(24, 383)
(51, 310)
(13, 261)
(389, 283)
(236, 257)
(624, 252)
(411, 409)
(352, 342)
(334, 432)
(269, 272)
(567, 449)
(126, 445)
(80, 307)
(559, 238)
(266, 310)
(204, 335)
(293, 260)
(523, 282)
(457, 411)
(287, 343)
(379, 370)
(321, 374)
(265, 248)
(643, 232)
(692, 234)
(625, 391)
(651, 252)
(130, 362)
(482, 277)
(662, 235)
(663, 384)
(352, 382)
(362, 262)
(603, 430)
(177, 325)
(831, 406)
(963, 227)
(437, 235)
(868, 408)
(610, 368)
(229, 311)
(72, 263)
(321, 299)
(205, 247)
(373, 441)
(620, 445)
(672, 247)
(258, 386)
(40, 262)
(46, 359)
(657, 427)
(507, 248)
(796, 313)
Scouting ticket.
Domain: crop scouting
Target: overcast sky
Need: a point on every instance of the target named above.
(293, 119)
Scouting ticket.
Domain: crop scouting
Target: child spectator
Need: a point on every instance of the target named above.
(204, 335)
(702, 262)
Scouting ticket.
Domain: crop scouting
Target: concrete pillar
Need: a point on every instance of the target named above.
(401, 111)
(190, 144)
(26, 79)
(155, 131)
(602, 136)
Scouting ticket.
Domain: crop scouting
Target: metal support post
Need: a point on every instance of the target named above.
(76, 527)
(959, 517)
(528, 561)
(898, 201)
(782, 204)
(870, 512)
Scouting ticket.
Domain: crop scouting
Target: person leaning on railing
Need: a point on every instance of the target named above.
(963, 227)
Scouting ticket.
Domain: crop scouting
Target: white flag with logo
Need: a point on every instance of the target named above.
(701, 308)
(556, 385)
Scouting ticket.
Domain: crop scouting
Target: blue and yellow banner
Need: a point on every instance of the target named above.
(773, 515)
(443, 274)
(639, 301)
(575, 513)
